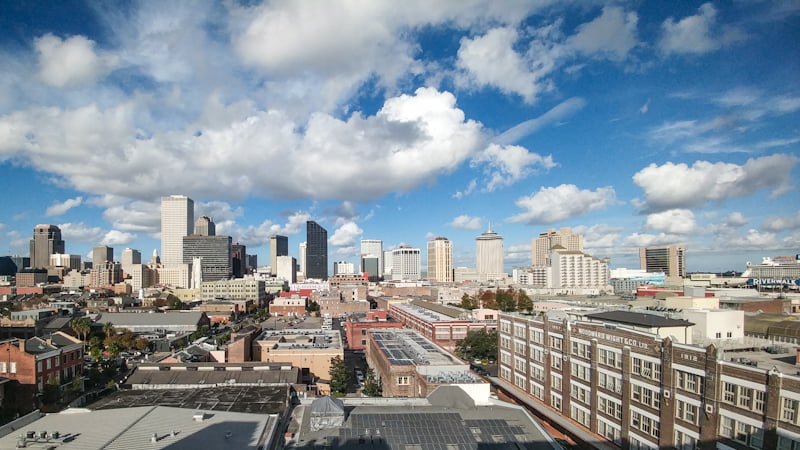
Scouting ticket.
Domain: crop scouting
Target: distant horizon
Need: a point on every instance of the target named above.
(636, 125)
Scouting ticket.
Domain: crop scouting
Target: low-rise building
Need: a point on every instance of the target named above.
(408, 365)
(310, 350)
(444, 325)
(170, 322)
(359, 323)
(294, 305)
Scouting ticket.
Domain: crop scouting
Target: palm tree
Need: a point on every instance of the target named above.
(108, 329)
(81, 326)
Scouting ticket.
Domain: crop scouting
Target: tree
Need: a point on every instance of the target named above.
(81, 327)
(340, 376)
(372, 386)
(524, 302)
(505, 301)
(468, 302)
(479, 344)
(174, 303)
(488, 299)
(108, 329)
(312, 306)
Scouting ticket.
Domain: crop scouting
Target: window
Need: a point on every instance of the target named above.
(684, 442)
(644, 424)
(582, 350)
(555, 402)
(745, 399)
(13, 367)
(403, 381)
(689, 381)
(581, 372)
(610, 358)
(760, 401)
(537, 391)
(555, 382)
(579, 393)
(505, 358)
(747, 434)
(646, 396)
(519, 364)
(505, 342)
(519, 381)
(537, 336)
(580, 416)
(519, 346)
(555, 361)
(730, 393)
(609, 432)
(647, 369)
(537, 373)
(610, 407)
(537, 354)
(519, 330)
(3, 367)
(609, 382)
(556, 342)
(789, 411)
(785, 443)
(687, 412)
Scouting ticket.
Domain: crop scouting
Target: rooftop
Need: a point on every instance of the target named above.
(302, 339)
(404, 347)
(151, 427)
(398, 425)
(152, 319)
(424, 311)
(638, 319)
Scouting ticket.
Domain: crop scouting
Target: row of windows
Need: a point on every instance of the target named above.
(645, 424)
(646, 396)
(744, 397)
(688, 412)
(647, 369)
(747, 434)
(689, 382)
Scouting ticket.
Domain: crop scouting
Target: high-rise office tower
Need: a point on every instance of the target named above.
(46, 241)
(238, 259)
(214, 253)
(278, 246)
(670, 259)
(130, 257)
(252, 261)
(440, 260)
(316, 251)
(489, 254)
(373, 247)
(204, 226)
(177, 221)
(101, 254)
(540, 246)
(369, 265)
(388, 259)
(406, 264)
(303, 248)
(286, 268)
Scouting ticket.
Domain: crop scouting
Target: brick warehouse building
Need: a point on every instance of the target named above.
(638, 391)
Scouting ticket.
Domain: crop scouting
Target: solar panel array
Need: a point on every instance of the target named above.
(428, 431)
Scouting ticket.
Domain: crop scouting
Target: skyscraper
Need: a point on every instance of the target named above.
(101, 254)
(489, 255)
(540, 247)
(214, 253)
(278, 246)
(373, 247)
(316, 251)
(238, 259)
(670, 259)
(46, 241)
(204, 226)
(177, 221)
(406, 263)
(440, 260)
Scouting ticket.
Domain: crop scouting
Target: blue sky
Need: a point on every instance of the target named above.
(634, 123)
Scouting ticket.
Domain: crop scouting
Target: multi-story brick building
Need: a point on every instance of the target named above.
(637, 390)
(35, 362)
(444, 325)
(358, 323)
(310, 350)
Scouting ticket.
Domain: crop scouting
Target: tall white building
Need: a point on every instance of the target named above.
(177, 221)
(303, 246)
(343, 268)
(440, 260)
(285, 267)
(406, 264)
(489, 255)
(577, 270)
(65, 260)
(540, 246)
(388, 259)
(373, 247)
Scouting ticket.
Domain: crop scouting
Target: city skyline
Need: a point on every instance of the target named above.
(636, 125)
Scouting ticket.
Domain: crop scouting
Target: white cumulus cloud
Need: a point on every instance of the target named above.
(346, 235)
(612, 34)
(57, 209)
(71, 62)
(556, 204)
(780, 223)
(696, 34)
(465, 222)
(672, 186)
(673, 221)
(505, 165)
